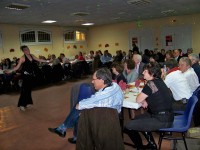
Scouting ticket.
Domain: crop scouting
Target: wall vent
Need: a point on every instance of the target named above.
(138, 2)
(81, 14)
(17, 6)
(168, 12)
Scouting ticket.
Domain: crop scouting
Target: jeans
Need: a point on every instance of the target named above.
(72, 120)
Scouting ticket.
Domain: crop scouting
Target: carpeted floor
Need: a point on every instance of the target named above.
(28, 130)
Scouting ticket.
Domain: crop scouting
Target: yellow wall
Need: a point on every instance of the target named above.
(119, 33)
(107, 34)
(10, 36)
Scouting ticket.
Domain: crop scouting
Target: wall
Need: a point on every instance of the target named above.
(10, 36)
(110, 34)
(98, 36)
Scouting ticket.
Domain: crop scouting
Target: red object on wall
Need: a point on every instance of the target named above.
(168, 40)
(134, 40)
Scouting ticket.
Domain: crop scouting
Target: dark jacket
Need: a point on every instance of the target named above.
(99, 129)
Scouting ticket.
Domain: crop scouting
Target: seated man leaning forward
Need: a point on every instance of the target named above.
(108, 95)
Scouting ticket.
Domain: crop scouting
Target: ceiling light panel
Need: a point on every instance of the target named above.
(17, 6)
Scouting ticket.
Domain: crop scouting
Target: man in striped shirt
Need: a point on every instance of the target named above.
(108, 95)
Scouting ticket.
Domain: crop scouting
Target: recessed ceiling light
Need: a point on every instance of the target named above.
(49, 21)
(88, 24)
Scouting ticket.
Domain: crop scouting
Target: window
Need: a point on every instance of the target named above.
(35, 37)
(74, 36)
(43, 37)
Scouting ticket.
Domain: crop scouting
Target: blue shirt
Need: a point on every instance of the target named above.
(131, 77)
(111, 97)
(104, 59)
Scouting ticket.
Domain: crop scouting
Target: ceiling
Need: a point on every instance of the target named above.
(100, 12)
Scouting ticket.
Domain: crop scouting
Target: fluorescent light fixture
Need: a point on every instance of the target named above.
(49, 21)
(17, 6)
(88, 24)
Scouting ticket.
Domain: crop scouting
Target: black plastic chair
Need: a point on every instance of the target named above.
(181, 124)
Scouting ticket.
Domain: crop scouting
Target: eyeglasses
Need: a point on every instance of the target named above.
(95, 79)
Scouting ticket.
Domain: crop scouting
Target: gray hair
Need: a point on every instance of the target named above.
(194, 57)
(138, 56)
(105, 75)
(186, 60)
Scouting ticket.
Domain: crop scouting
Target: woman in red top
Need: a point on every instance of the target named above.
(80, 56)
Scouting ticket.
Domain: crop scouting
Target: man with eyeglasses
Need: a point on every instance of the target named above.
(108, 95)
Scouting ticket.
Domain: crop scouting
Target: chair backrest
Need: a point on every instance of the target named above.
(85, 91)
(197, 92)
(189, 110)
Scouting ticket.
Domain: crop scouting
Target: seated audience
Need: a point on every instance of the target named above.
(189, 51)
(129, 72)
(162, 55)
(118, 57)
(178, 85)
(64, 59)
(137, 58)
(177, 54)
(188, 73)
(108, 95)
(54, 60)
(169, 55)
(157, 98)
(80, 57)
(195, 64)
(117, 70)
(106, 59)
(146, 56)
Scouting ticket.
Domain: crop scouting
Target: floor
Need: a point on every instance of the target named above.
(28, 130)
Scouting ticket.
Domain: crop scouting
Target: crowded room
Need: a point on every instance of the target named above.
(99, 75)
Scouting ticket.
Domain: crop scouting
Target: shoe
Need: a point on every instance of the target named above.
(57, 131)
(29, 106)
(22, 108)
(72, 140)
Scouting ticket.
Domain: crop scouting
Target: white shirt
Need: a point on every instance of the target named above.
(137, 67)
(192, 78)
(178, 85)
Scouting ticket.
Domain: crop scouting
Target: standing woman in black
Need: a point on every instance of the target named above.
(27, 64)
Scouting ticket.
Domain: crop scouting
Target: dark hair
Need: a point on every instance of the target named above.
(104, 74)
(130, 63)
(153, 69)
(23, 47)
(169, 53)
(118, 67)
(171, 63)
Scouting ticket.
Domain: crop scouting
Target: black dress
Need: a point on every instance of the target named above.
(28, 75)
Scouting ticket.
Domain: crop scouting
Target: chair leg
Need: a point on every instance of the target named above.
(183, 135)
(174, 144)
(160, 139)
